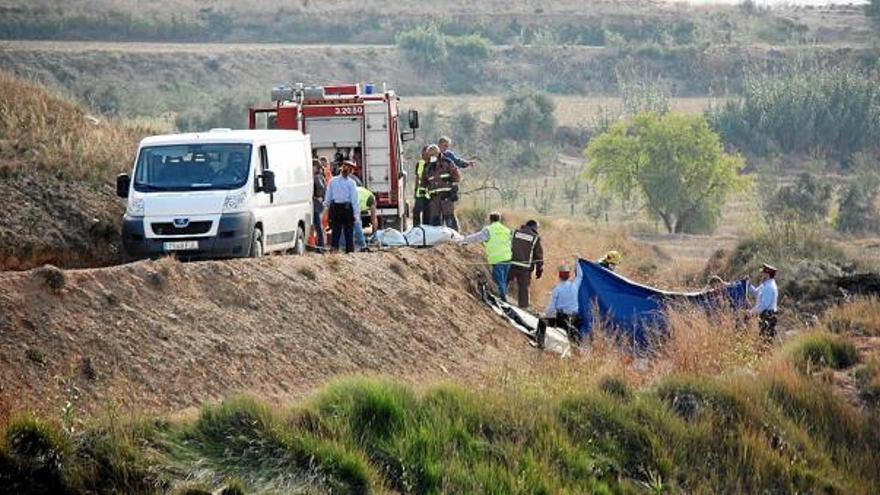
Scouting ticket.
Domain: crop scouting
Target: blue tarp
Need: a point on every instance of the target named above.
(633, 310)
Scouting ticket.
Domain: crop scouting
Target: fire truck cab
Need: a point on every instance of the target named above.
(350, 122)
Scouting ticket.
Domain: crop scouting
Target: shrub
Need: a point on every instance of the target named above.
(806, 201)
(38, 451)
(813, 351)
(857, 210)
(834, 111)
(526, 116)
(425, 44)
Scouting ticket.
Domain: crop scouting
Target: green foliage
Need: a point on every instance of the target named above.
(814, 351)
(426, 45)
(469, 48)
(674, 163)
(807, 201)
(32, 455)
(835, 112)
(857, 208)
(774, 432)
(525, 116)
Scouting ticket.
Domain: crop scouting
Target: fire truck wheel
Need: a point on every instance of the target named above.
(257, 244)
(299, 247)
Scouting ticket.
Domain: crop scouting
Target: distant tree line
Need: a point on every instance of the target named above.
(833, 112)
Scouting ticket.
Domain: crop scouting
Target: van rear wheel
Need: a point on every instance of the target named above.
(257, 244)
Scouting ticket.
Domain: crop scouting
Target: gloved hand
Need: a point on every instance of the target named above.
(539, 272)
(453, 194)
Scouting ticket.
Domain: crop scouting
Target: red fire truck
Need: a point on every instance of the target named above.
(352, 122)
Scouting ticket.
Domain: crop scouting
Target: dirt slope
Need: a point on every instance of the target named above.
(70, 223)
(164, 335)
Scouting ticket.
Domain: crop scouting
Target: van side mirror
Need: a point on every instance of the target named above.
(267, 181)
(123, 184)
(413, 119)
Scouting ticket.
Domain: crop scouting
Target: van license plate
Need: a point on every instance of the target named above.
(181, 246)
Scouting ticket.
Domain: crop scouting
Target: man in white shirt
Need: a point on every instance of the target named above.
(342, 200)
(562, 310)
(766, 297)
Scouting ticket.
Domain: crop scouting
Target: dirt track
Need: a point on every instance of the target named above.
(163, 335)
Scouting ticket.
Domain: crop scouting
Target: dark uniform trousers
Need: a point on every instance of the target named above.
(523, 278)
(342, 222)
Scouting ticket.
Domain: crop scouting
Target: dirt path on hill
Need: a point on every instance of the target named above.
(164, 335)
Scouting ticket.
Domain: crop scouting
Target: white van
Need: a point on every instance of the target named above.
(218, 194)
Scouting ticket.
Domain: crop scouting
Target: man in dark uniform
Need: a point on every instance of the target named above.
(528, 257)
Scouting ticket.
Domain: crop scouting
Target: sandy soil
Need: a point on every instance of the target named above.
(164, 335)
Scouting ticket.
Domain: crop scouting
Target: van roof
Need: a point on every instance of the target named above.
(225, 136)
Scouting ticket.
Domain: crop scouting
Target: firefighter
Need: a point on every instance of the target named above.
(610, 260)
(443, 145)
(366, 211)
(496, 239)
(318, 193)
(420, 207)
(441, 182)
(342, 200)
(528, 257)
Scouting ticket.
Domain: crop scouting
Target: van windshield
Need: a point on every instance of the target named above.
(187, 167)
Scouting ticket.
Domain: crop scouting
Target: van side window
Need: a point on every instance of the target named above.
(264, 159)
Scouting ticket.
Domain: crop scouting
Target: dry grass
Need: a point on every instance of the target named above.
(41, 130)
(860, 317)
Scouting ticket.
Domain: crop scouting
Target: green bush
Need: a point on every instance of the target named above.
(820, 350)
(857, 209)
(526, 116)
(425, 44)
(836, 112)
(806, 201)
(34, 456)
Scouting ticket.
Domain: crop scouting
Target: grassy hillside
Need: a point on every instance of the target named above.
(57, 165)
(593, 23)
(785, 428)
(164, 81)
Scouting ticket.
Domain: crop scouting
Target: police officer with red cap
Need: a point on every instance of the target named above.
(766, 297)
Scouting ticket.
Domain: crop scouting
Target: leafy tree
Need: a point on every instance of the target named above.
(673, 163)
(806, 201)
(526, 116)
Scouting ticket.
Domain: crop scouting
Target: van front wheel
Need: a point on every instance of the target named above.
(257, 244)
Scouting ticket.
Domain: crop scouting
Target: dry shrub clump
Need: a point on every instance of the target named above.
(705, 343)
(859, 317)
(41, 130)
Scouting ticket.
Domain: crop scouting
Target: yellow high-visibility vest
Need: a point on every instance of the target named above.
(421, 192)
(364, 196)
(498, 246)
